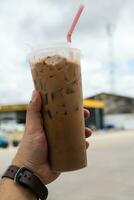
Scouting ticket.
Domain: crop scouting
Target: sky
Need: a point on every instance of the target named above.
(107, 62)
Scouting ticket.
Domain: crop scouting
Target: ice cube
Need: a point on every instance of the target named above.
(57, 94)
(45, 99)
(70, 90)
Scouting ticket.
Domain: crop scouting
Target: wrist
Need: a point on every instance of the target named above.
(22, 163)
(10, 190)
(26, 178)
(19, 163)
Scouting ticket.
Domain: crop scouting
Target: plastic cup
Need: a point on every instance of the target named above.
(57, 76)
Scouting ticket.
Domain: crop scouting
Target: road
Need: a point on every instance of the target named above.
(109, 175)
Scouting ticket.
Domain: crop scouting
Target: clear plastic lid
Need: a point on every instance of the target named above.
(62, 49)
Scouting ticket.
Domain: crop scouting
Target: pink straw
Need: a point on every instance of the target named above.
(75, 21)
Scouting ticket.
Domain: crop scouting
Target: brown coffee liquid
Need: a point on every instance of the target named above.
(59, 82)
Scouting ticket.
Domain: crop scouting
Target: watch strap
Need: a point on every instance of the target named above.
(28, 179)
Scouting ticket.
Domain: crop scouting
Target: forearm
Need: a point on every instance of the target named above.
(13, 191)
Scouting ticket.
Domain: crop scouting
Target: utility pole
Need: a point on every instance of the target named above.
(110, 29)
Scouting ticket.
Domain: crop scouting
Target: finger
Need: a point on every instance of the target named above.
(88, 132)
(86, 113)
(87, 144)
(33, 117)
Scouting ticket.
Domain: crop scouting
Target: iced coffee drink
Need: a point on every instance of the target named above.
(58, 79)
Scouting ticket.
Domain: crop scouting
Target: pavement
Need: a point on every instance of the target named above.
(109, 175)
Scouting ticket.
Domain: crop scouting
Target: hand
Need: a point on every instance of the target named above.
(33, 150)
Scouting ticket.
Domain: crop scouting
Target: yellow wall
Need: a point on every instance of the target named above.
(9, 108)
(90, 103)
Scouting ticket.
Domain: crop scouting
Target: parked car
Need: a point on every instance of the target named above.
(16, 137)
(3, 140)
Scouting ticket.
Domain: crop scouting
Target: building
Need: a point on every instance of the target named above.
(96, 108)
(17, 113)
(106, 111)
(118, 110)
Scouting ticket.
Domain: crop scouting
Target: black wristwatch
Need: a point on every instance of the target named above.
(27, 179)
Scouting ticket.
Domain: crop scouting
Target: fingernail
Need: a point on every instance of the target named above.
(34, 96)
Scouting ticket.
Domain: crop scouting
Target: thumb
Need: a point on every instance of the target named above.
(33, 117)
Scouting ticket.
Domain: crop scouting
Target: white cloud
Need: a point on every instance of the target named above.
(24, 24)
